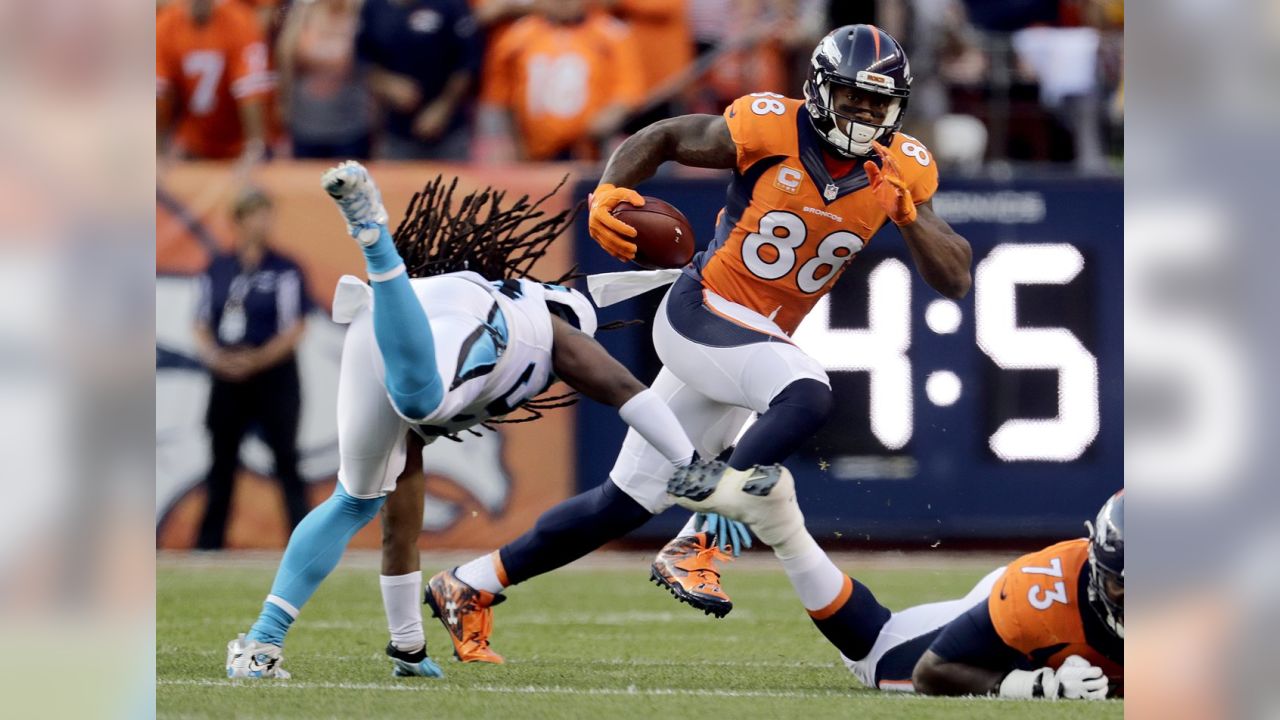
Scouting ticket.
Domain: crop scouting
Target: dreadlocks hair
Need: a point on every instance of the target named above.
(482, 236)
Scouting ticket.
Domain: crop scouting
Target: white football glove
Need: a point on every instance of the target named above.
(1080, 680)
(1076, 679)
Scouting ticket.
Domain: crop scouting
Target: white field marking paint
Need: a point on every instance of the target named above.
(678, 663)
(541, 659)
(503, 690)
(445, 686)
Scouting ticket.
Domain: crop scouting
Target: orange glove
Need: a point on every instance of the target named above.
(889, 187)
(608, 231)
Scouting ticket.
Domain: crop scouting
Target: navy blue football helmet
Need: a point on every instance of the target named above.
(866, 58)
(1106, 563)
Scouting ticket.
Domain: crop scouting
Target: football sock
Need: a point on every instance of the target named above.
(313, 552)
(403, 333)
(794, 415)
(482, 573)
(650, 416)
(402, 599)
(572, 529)
(816, 579)
(852, 621)
(381, 258)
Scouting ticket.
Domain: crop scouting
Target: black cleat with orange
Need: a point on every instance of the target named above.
(466, 613)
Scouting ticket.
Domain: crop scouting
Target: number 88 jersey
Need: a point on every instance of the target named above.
(788, 228)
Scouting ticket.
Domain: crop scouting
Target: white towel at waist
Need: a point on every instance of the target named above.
(610, 288)
(350, 297)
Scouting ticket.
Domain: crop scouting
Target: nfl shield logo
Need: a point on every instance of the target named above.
(830, 192)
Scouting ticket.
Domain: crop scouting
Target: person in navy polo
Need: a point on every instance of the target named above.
(249, 321)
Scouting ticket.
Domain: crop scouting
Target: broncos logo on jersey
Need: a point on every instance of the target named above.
(789, 228)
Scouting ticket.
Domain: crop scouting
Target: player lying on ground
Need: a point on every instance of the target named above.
(438, 355)
(1049, 624)
(811, 186)
(813, 183)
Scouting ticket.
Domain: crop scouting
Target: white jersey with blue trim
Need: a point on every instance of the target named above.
(493, 345)
(492, 340)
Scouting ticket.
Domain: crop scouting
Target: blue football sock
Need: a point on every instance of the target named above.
(314, 550)
(381, 257)
(403, 334)
(272, 625)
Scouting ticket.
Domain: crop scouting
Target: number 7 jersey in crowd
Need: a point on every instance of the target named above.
(788, 228)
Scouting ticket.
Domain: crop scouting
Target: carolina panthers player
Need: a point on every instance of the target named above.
(1047, 625)
(437, 355)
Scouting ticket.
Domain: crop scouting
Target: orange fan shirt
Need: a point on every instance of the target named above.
(663, 35)
(789, 229)
(1036, 608)
(555, 78)
(207, 70)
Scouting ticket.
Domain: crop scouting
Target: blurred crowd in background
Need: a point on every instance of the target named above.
(998, 83)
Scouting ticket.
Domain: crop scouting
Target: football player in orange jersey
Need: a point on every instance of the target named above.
(1047, 625)
(814, 180)
(212, 79)
(1052, 625)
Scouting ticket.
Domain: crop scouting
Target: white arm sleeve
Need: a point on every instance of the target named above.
(658, 426)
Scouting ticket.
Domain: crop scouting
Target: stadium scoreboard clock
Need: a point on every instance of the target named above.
(871, 329)
(998, 415)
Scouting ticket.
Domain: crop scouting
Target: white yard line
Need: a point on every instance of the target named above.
(503, 690)
(379, 657)
(630, 691)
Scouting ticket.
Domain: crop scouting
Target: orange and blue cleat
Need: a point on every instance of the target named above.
(687, 567)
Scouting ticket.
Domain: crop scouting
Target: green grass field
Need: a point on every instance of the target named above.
(594, 640)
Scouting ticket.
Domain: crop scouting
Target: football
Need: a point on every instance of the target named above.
(664, 238)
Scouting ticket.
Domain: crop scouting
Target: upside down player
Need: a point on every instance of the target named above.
(812, 184)
(447, 351)
(1047, 625)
